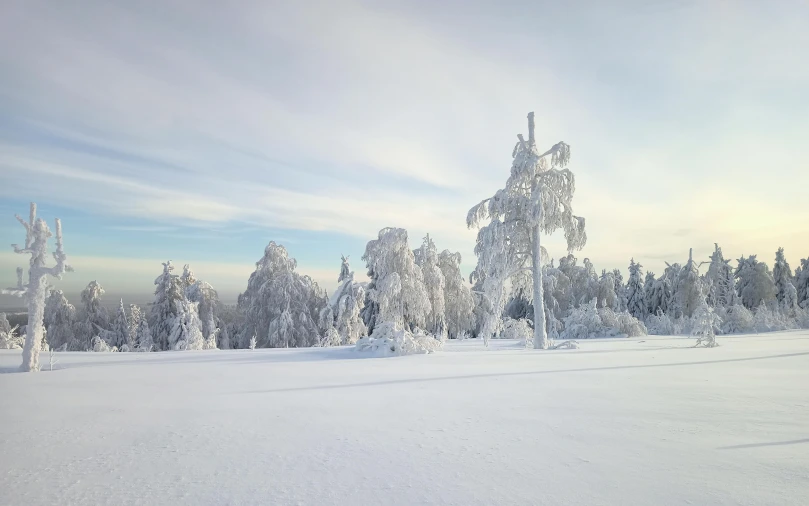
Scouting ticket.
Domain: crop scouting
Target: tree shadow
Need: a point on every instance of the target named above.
(524, 373)
(759, 445)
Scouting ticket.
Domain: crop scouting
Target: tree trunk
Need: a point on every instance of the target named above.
(540, 334)
(33, 332)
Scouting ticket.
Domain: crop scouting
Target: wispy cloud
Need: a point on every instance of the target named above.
(345, 117)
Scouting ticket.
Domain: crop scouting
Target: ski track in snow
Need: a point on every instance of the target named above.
(620, 421)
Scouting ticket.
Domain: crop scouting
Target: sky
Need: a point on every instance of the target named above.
(199, 131)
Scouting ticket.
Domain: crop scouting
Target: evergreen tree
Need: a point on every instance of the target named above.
(635, 291)
(782, 276)
(802, 283)
(143, 340)
(720, 280)
(120, 328)
(756, 285)
(620, 290)
(689, 287)
(426, 257)
(648, 291)
(186, 332)
(168, 296)
(60, 321)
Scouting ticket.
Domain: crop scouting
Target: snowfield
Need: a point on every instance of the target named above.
(620, 421)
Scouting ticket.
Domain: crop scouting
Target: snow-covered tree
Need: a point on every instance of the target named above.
(458, 301)
(168, 295)
(60, 321)
(135, 317)
(606, 290)
(207, 301)
(705, 324)
(343, 310)
(620, 290)
(537, 199)
(756, 284)
(782, 275)
(648, 291)
(224, 338)
(398, 283)
(280, 307)
(36, 291)
(689, 287)
(802, 283)
(426, 258)
(93, 319)
(635, 294)
(721, 285)
(187, 278)
(186, 332)
(143, 340)
(120, 329)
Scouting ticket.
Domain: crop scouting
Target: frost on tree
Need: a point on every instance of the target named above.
(342, 313)
(458, 301)
(782, 275)
(60, 322)
(721, 283)
(802, 283)
(755, 284)
(120, 330)
(36, 290)
(648, 290)
(207, 301)
(94, 319)
(635, 293)
(426, 258)
(537, 199)
(705, 324)
(165, 309)
(143, 340)
(186, 332)
(280, 306)
(397, 287)
(689, 287)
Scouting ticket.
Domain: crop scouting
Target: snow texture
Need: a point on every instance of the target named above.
(630, 421)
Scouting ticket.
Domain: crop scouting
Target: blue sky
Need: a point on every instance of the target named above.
(160, 130)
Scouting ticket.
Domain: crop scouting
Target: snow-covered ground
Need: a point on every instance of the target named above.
(620, 421)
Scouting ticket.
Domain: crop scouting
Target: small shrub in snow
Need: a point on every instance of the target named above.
(252, 344)
(331, 338)
(10, 340)
(517, 329)
(587, 322)
(660, 324)
(705, 323)
(101, 346)
(737, 319)
(387, 340)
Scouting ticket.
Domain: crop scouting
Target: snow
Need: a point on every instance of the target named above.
(647, 420)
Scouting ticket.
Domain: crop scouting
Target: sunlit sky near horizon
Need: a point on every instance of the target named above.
(200, 131)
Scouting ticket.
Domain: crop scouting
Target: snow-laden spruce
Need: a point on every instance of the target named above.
(35, 291)
(280, 307)
(340, 320)
(458, 300)
(426, 258)
(635, 295)
(536, 200)
(60, 322)
(165, 309)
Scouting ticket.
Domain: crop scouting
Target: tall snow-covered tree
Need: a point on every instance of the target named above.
(143, 341)
(135, 316)
(782, 275)
(398, 283)
(689, 287)
(458, 301)
(721, 285)
(635, 294)
(60, 321)
(426, 258)
(168, 295)
(802, 283)
(207, 300)
(606, 290)
(120, 328)
(342, 314)
(756, 285)
(280, 306)
(537, 199)
(186, 332)
(620, 290)
(35, 291)
(648, 290)
(94, 319)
